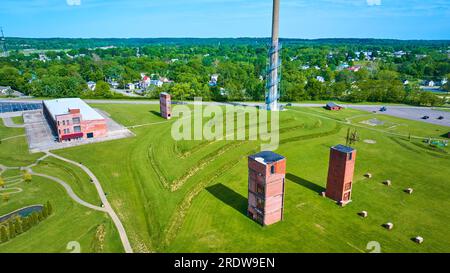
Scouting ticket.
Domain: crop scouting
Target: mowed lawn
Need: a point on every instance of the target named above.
(190, 196)
(70, 221)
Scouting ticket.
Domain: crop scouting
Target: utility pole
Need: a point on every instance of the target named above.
(274, 70)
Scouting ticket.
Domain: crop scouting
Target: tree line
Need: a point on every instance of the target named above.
(309, 72)
(17, 225)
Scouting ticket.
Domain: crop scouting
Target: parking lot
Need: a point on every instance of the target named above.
(412, 113)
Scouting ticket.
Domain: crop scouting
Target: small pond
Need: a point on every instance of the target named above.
(23, 212)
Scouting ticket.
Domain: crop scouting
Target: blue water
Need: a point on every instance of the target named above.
(22, 212)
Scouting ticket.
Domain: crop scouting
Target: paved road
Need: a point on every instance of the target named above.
(401, 111)
(107, 206)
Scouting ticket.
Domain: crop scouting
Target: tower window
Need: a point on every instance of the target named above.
(272, 169)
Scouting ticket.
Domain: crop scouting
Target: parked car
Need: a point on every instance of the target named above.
(440, 118)
(383, 109)
(425, 117)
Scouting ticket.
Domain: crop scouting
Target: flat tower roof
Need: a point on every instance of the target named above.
(343, 149)
(61, 107)
(267, 157)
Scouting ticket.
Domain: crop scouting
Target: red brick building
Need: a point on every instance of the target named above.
(340, 174)
(73, 119)
(266, 175)
(165, 105)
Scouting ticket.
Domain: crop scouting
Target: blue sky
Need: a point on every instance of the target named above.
(401, 19)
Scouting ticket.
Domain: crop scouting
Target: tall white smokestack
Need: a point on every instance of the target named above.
(273, 79)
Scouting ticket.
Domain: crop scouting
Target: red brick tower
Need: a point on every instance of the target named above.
(165, 105)
(266, 173)
(340, 174)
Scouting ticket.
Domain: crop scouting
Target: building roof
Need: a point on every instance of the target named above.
(332, 104)
(61, 107)
(343, 149)
(267, 157)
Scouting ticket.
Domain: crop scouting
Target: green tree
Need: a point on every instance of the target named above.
(3, 234)
(49, 208)
(2, 182)
(27, 177)
(5, 197)
(12, 229)
(18, 225)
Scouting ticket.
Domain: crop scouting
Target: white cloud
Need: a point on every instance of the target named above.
(73, 2)
(374, 2)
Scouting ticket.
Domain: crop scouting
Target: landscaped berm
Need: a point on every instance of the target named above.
(191, 196)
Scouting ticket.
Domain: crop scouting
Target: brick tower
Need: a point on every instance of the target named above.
(340, 174)
(266, 173)
(165, 105)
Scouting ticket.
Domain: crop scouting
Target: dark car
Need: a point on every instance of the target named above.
(440, 118)
(425, 117)
(383, 109)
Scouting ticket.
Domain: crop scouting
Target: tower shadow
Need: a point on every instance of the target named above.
(229, 197)
(305, 183)
(158, 114)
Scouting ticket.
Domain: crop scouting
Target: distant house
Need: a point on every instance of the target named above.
(146, 81)
(214, 80)
(113, 83)
(4, 90)
(444, 82)
(131, 86)
(355, 68)
(333, 106)
(91, 85)
(405, 82)
(165, 80)
(320, 79)
(431, 84)
(43, 57)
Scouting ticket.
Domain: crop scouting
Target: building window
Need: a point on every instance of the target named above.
(58, 122)
(64, 122)
(68, 130)
(348, 186)
(77, 129)
(350, 156)
(259, 189)
(65, 131)
(259, 204)
(272, 169)
(76, 120)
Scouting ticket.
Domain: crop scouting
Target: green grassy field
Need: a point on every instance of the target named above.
(18, 120)
(69, 222)
(191, 196)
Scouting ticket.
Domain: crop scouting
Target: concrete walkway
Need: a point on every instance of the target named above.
(69, 191)
(10, 123)
(107, 207)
